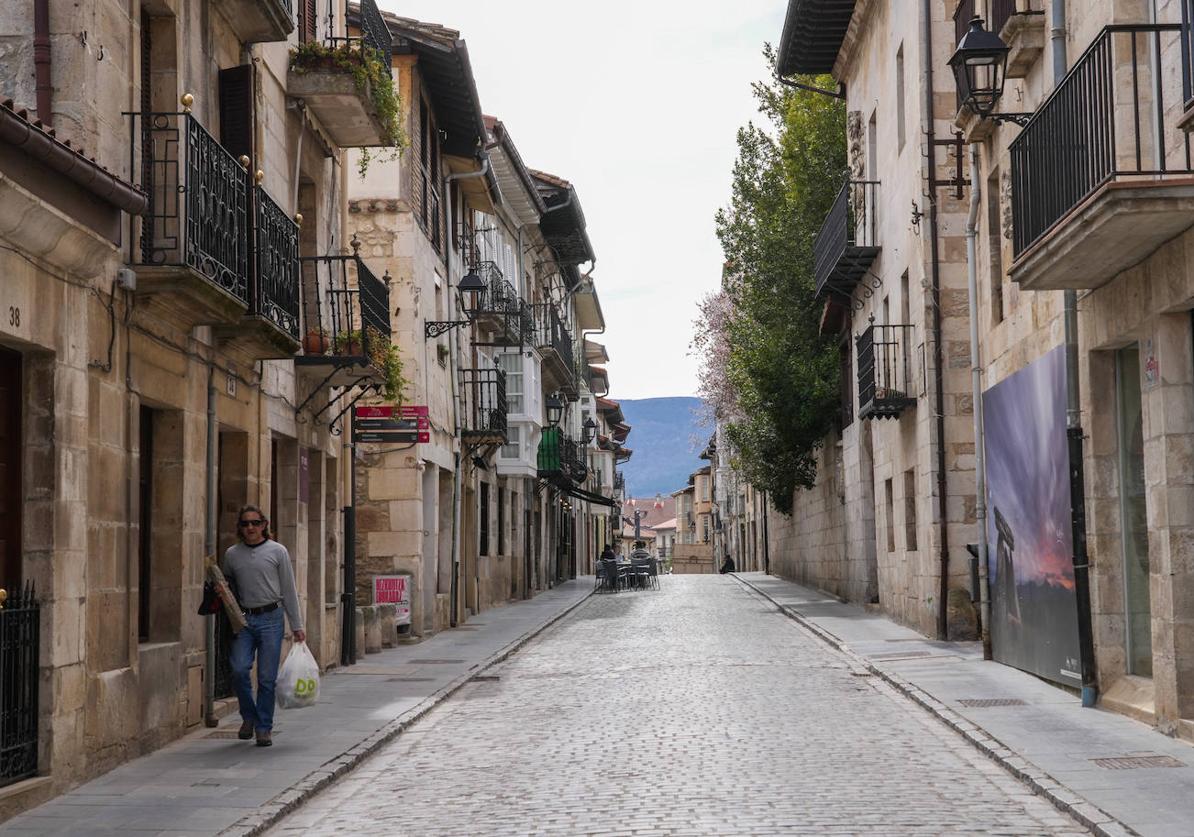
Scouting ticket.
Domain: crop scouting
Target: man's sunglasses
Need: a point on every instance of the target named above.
(244, 524)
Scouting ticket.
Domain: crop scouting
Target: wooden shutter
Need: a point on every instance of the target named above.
(236, 110)
(308, 25)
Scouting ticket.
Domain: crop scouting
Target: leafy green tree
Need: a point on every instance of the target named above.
(776, 386)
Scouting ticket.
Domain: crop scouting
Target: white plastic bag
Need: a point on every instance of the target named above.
(298, 679)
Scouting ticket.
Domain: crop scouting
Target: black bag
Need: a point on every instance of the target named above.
(211, 600)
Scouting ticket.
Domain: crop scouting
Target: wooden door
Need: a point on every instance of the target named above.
(10, 469)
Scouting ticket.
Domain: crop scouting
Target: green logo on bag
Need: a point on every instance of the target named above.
(305, 686)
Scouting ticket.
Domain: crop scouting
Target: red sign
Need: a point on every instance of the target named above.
(413, 410)
(395, 590)
(380, 411)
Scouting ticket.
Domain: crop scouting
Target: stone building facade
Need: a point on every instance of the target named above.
(162, 183)
(894, 504)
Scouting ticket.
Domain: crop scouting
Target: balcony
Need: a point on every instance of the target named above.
(884, 373)
(346, 317)
(270, 328)
(192, 243)
(259, 21)
(483, 392)
(346, 83)
(554, 342)
(561, 460)
(1101, 174)
(848, 243)
(501, 312)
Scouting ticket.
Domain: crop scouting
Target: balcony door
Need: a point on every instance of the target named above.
(1133, 513)
(10, 470)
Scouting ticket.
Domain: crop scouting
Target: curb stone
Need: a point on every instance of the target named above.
(1042, 784)
(293, 797)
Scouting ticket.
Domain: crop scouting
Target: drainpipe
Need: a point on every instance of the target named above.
(1073, 424)
(209, 542)
(935, 276)
(41, 60)
(766, 536)
(976, 394)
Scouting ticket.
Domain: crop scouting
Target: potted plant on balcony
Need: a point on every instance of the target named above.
(316, 342)
(371, 78)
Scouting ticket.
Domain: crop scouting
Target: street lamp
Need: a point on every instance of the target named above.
(979, 66)
(588, 428)
(555, 410)
(472, 292)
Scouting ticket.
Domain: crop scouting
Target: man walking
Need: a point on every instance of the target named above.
(260, 568)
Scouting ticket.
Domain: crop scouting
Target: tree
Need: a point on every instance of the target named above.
(775, 382)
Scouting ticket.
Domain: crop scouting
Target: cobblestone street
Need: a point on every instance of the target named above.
(697, 709)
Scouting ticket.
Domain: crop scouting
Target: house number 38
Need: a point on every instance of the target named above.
(14, 316)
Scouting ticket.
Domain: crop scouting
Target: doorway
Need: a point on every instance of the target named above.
(11, 500)
(1133, 513)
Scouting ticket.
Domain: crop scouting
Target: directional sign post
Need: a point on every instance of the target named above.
(386, 424)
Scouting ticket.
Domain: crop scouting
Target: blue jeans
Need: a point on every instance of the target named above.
(262, 638)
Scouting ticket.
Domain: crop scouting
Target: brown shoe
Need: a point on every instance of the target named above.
(245, 732)
(263, 738)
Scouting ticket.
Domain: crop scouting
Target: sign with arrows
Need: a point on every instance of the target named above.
(387, 424)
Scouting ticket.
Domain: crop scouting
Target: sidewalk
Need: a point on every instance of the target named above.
(209, 782)
(1037, 731)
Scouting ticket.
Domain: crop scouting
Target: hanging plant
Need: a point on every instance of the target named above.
(370, 76)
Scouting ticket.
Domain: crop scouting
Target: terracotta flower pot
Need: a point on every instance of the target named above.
(315, 343)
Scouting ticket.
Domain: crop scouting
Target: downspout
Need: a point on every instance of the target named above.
(209, 541)
(41, 60)
(1073, 428)
(457, 480)
(766, 536)
(935, 276)
(976, 395)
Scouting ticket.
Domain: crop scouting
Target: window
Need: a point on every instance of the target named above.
(890, 516)
(144, 574)
(995, 244)
(511, 364)
(484, 519)
(513, 447)
(905, 301)
(910, 509)
(899, 80)
(705, 488)
(501, 520)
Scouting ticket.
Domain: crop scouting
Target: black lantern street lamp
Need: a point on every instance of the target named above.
(472, 294)
(979, 66)
(555, 410)
(589, 427)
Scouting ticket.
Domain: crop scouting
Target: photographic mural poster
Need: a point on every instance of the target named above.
(1030, 568)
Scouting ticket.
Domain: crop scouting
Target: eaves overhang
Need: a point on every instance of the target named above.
(444, 66)
(813, 34)
(518, 187)
(563, 221)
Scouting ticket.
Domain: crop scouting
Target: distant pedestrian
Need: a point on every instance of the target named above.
(260, 568)
(607, 554)
(728, 565)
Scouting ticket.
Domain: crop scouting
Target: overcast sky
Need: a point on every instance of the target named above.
(637, 104)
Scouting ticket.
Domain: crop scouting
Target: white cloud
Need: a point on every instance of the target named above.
(637, 104)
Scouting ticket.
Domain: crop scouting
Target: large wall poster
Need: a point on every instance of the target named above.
(1034, 615)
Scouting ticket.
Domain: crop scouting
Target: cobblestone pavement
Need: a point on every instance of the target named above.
(697, 709)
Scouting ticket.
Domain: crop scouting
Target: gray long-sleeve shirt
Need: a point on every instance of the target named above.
(263, 575)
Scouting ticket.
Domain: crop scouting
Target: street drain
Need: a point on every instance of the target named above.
(901, 655)
(436, 662)
(487, 678)
(1133, 762)
(230, 733)
(984, 703)
(410, 679)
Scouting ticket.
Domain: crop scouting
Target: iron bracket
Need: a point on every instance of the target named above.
(434, 328)
(958, 182)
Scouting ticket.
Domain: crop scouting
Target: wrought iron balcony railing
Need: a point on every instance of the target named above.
(274, 290)
(198, 202)
(20, 642)
(485, 409)
(1112, 118)
(551, 334)
(500, 309)
(346, 312)
(375, 34)
(848, 241)
(619, 481)
(884, 371)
